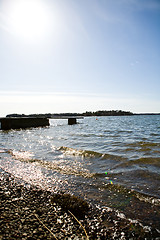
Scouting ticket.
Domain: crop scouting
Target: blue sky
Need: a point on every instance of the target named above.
(77, 56)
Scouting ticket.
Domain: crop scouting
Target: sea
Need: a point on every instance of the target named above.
(111, 161)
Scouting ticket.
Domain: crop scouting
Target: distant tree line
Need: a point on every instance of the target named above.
(108, 113)
(86, 114)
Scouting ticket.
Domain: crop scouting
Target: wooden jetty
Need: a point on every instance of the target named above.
(22, 122)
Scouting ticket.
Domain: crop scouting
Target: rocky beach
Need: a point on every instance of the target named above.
(28, 212)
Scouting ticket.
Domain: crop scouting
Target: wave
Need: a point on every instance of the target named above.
(25, 156)
(143, 144)
(154, 161)
(2, 150)
(90, 154)
(127, 193)
(21, 154)
(147, 160)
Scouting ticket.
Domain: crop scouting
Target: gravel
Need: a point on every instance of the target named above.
(28, 212)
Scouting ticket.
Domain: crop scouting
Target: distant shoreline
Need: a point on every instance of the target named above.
(80, 115)
(146, 114)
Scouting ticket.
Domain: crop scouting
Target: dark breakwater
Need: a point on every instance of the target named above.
(25, 122)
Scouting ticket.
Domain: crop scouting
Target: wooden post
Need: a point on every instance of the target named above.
(72, 121)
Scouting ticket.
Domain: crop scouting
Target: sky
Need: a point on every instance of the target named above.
(60, 56)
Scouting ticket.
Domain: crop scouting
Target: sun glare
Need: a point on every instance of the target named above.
(29, 19)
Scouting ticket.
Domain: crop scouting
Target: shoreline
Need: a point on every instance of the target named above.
(28, 212)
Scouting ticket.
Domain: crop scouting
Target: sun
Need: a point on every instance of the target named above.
(29, 19)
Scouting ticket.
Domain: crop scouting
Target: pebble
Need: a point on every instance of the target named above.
(18, 217)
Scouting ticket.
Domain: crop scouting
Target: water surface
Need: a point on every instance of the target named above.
(113, 161)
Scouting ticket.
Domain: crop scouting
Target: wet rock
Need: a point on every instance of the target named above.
(77, 206)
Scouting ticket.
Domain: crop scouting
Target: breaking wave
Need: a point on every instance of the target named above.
(58, 166)
(90, 154)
